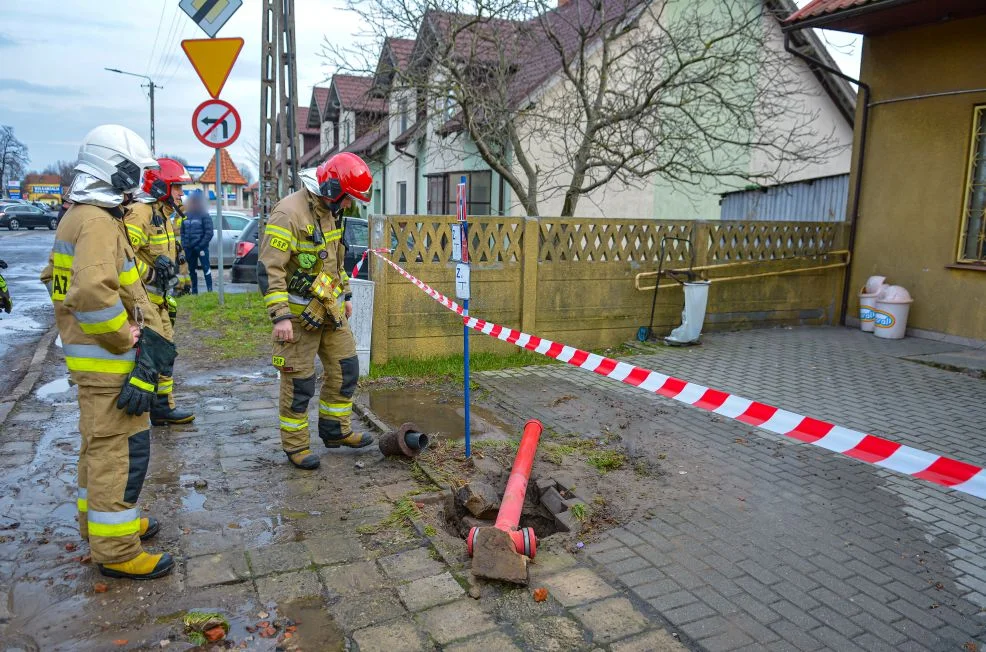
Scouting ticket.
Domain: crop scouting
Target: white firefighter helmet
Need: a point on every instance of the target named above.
(116, 155)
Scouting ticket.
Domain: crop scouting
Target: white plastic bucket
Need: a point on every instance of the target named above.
(867, 303)
(890, 318)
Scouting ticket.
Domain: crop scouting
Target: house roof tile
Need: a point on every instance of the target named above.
(354, 94)
(231, 175)
(301, 119)
(321, 96)
(817, 8)
(372, 140)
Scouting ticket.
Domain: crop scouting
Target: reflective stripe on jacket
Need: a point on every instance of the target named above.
(96, 292)
(289, 243)
(151, 235)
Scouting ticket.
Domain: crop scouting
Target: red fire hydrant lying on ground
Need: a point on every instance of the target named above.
(508, 518)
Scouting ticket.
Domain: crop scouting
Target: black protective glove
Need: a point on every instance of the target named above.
(164, 272)
(300, 283)
(180, 259)
(153, 354)
(6, 304)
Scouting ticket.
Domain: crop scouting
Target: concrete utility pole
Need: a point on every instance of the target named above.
(278, 90)
(151, 85)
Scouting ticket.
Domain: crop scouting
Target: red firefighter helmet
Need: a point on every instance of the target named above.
(344, 174)
(157, 183)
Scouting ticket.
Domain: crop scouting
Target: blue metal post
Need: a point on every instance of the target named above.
(463, 218)
(465, 356)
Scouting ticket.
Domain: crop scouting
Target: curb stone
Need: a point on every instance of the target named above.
(32, 376)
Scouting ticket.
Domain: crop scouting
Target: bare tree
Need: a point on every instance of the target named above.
(64, 169)
(13, 157)
(246, 172)
(565, 100)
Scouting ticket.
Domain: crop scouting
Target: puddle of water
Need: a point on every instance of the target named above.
(193, 501)
(49, 391)
(316, 628)
(434, 413)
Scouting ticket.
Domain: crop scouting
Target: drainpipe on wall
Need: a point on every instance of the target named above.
(858, 179)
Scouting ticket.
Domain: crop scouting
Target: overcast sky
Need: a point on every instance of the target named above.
(53, 88)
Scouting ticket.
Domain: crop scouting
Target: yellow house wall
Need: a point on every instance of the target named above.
(915, 172)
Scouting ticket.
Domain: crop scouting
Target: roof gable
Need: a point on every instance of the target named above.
(231, 175)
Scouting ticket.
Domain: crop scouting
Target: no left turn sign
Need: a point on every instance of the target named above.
(216, 123)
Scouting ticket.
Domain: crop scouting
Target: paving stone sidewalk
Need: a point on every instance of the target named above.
(758, 542)
(257, 539)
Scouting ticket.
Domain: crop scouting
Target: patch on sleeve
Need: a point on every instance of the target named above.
(279, 243)
(278, 361)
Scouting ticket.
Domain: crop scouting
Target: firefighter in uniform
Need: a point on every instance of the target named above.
(6, 304)
(173, 210)
(154, 240)
(112, 354)
(301, 275)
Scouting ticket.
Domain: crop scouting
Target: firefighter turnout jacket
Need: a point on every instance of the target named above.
(152, 234)
(301, 236)
(96, 298)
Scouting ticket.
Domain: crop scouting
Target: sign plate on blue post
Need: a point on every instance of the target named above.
(462, 281)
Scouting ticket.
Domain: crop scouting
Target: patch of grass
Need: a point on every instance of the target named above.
(450, 367)
(605, 460)
(556, 450)
(430, 531)
(580, 512)
(403, 513)
(240, 329)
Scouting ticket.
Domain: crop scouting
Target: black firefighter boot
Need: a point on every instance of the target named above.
(162, 414)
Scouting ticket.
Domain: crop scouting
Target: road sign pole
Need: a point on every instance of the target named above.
(219, 226)
(464, 292)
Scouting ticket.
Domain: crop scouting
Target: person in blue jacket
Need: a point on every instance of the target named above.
(196, 233)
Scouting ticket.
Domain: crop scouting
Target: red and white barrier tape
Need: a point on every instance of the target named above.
(960, 476)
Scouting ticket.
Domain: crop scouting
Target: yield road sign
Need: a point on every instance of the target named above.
(213, 59)
(216, 123)
(210, 15)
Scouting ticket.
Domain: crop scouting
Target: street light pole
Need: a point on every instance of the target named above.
(152, 86)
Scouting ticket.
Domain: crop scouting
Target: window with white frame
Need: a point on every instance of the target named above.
(972, 241)
(402, 198)
(402, 112)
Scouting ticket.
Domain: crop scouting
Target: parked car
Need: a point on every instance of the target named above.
(233, 224)
(244, 268)
(14, 216)
(356, 235)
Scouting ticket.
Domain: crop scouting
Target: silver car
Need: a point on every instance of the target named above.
(233, 224)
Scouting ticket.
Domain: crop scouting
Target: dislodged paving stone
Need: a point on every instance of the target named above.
(411, 565)
(352, 579)
(279, 558)
(480, 499)
(457, 620)
(430, 591)
(396, 636)
(611, 619)
(281, 588)
(493, 642)
(578, 586)
(328, 548)
(655, 641)
(552, 634)
(356, 612)
(223, 568)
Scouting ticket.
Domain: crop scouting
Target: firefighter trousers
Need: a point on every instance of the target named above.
(166, 381)
(336, 348)
(113, 460)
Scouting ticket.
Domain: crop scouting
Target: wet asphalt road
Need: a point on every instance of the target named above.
(26, 253)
